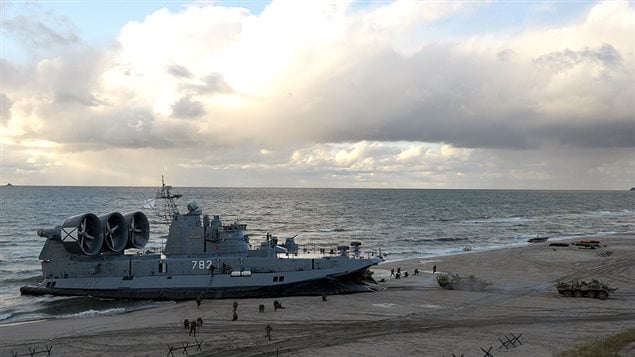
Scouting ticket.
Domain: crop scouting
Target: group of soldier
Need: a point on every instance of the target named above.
(397, 275)
(191, 325)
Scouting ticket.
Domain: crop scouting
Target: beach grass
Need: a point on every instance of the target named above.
(607, 346)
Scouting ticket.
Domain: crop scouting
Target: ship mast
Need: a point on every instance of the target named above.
(169, 209)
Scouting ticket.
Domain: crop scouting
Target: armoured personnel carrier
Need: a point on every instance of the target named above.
(453, 281)
(581, 288)
(203, 257)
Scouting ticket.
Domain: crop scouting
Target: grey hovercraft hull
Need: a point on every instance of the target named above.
(343, 284)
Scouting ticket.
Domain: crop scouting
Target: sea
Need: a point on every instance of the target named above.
(403, 223)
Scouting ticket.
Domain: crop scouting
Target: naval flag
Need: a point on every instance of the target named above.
(149, 203)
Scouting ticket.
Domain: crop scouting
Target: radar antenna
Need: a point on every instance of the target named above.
(168, 209)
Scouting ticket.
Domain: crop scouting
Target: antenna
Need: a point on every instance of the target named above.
(168, 209)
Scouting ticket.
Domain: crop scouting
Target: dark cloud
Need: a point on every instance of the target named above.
(563, 60)
(82, 128)
(179, 71)
(187, 108)
(86, 99)
(505, 55)
(215, 83)
(41, 33)
(600, 134)
(445, 94)
(5, 109)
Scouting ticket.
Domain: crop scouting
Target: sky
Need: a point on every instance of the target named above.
(376, 94)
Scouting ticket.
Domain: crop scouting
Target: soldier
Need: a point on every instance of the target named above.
(186, 323)
(199, 321)
(268, 332)
(405, 274)
(235, 306)
(198, 302)
(235, 316)
(416, 271)
(434, 269)
(392, 272)
(323, 297)
(192, 329)
(261, 308)
(276, 305)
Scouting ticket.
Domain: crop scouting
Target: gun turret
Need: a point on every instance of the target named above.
(50, 233)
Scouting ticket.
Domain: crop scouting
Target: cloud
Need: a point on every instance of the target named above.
(37, 32)
(187, 108)
(179, 71)
(567, 59)
(215, 83)
(331, 90)
(5, 108)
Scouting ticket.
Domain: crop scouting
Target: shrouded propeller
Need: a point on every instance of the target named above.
(138, 229)
(115, 233)
(82, 234)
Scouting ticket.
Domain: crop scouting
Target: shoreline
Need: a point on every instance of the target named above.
(519, 244)
(397, 261)
(409, 316)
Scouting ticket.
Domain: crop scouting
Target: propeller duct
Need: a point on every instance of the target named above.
(82, 234)
(115, 232)
(138, 229)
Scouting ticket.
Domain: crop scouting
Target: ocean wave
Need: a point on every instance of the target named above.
(93, 313)
(499, 220)
(5, 316)
(18, 280)
(328, 230)
(449, 239)
(624, 212)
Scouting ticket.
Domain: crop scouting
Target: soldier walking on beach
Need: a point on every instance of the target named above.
(434, 269)
(198, 302)
(193, 328)
(268, 332)
(235, 316)
(235, 305)
(392, 272)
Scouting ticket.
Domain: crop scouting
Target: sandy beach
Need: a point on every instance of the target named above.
(411, 316)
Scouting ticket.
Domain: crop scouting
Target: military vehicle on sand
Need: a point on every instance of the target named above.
(581, 288)
(453, 281)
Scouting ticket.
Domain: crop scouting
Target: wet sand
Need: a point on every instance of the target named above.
(410, 317)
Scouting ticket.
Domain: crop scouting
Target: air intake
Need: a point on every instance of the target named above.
(115, 232)
(82, 234)
(138, 229)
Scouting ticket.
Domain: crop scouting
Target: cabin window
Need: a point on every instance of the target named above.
(53, 284)
(275, 279)
(281, 279)
(163, 267)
